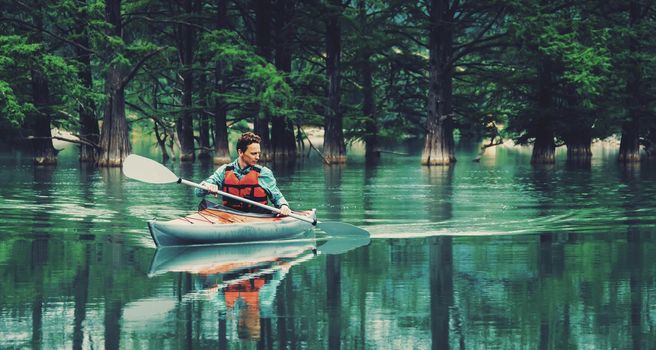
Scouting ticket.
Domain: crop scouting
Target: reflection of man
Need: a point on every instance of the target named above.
(253, 298)
(246, 292)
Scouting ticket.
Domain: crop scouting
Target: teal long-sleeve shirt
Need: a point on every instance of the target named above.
(266, 180)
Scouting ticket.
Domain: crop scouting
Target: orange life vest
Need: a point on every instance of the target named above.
(248, 187)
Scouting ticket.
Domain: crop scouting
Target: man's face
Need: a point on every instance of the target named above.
(251, 155)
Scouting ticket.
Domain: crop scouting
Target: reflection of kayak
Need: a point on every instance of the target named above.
(227, 258)
(218, 224)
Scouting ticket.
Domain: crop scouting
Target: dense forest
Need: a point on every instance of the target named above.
(187, 72)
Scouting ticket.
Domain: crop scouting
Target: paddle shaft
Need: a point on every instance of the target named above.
(242, 199)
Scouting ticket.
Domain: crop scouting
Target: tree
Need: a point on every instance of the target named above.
(221, 148)
(560, 63)
(185, 42)
(333, 144)
(636, 100)
(439, 146)
(263, 45)
(283, 145)
(89, 130)
(114, 139)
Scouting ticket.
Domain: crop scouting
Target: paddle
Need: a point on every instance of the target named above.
(147, 170)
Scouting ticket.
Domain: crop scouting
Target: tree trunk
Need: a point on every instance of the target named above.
(372, 154)
(44, 152)
(544, 148)
(161, 142)
(204, 135)
(114, 138)
(263, 43)
(629, 144)
(89, 130)
(221, 147)
(650, 147)
(283, 145)
(184, 123)
(334, 149)
(439, 147)
(579, 148)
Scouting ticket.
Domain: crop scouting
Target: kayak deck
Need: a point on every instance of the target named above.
(219, 224)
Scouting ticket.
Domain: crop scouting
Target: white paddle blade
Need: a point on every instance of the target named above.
(147, 170)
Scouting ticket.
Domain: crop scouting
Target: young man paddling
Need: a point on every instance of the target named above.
(244, 178)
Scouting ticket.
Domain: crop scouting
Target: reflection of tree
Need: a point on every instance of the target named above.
(630, 176)
(334, 300)
(80, 296)
(113, 310)
(333, 184)
(441, 288)
(440, 201)
(43, 189)
(370, 173)
(440, 261)
(333, 180)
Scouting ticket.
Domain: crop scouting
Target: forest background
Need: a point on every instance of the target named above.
(187, 72)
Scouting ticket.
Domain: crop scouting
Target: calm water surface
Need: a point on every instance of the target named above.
(493, 255)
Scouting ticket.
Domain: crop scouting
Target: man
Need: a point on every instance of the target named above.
(244, 178)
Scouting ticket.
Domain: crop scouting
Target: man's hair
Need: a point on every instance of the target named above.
(246, 139)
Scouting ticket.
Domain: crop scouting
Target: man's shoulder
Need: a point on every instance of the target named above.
(263, 170)
(222, 168)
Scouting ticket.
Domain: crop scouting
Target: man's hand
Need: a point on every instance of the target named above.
(284, 210)
(211, 187)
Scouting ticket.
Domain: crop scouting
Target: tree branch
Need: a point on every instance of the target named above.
(136, 67)
(79, 141)
(32, 26)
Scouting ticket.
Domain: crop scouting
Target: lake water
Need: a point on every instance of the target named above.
(489, 255)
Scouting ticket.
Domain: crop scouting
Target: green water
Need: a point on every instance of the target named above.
(490, 255)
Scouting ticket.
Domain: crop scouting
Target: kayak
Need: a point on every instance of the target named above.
(215, 223)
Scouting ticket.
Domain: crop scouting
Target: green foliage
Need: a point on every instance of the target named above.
(10, 107)
(15, 53)
(499, 48)
(266, 86)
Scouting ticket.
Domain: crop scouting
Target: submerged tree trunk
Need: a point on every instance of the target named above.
(372, 154)
(439, 147)
(630, 143)
(263, 43)
(44, 152)
(283, 145)
(185, 124)
(114, 138)
(334, 149)
(544, 148)
(89, 130)
(579, 148)
(221, 147)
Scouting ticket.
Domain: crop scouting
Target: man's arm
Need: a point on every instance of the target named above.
(215, 179)
(268, 183)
